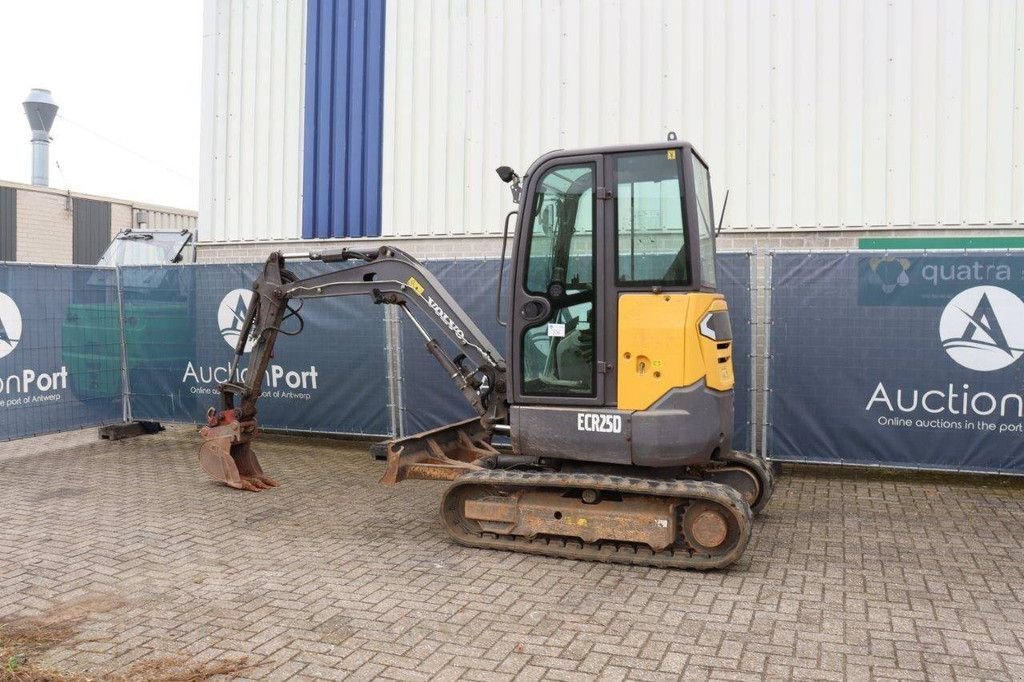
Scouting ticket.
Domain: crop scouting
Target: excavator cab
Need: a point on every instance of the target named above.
(613, 274)
(618, 393)
(557, 261)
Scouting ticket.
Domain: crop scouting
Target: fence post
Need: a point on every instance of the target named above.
(126, 400)
(752, 355)
(769, 262)
(393, 356)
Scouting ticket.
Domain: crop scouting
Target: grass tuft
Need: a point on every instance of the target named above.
(23, 641)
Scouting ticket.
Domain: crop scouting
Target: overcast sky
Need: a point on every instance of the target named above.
(127, 77)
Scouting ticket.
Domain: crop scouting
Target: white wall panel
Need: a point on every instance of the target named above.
(949, 148)
(167, 220)
(850, 140)
(254, 54)
(924, 113)
(813, 114)
(1017, 187)
(1002, 48)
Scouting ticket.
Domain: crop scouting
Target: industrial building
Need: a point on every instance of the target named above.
(366, 119)
(41, 224)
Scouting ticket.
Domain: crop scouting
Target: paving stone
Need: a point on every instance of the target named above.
(849, 575)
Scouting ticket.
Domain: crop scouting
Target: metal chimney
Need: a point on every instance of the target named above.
(41, 110)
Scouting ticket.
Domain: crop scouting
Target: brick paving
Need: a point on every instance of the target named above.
(849, 575)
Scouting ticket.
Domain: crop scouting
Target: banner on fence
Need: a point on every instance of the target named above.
(430, 399)
(182, 324)
(907, 359)
(72, 339)
(60, 349)
(734, 282)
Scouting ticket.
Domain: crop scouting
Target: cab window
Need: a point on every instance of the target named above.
(650, 234)
(705, 223)
(562, 229)
(558, 353)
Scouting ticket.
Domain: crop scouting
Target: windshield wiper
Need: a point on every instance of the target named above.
(135, 237)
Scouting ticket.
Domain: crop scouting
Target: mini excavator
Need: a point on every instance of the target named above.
(617, 395)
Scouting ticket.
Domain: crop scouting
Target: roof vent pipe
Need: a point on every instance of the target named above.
(41, 110)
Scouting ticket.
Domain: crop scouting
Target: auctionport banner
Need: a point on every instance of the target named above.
(898, 359)
(61, 355)
(181, 327)
(429, 399)
(60, 351)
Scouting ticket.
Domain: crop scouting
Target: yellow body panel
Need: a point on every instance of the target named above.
(661, 347)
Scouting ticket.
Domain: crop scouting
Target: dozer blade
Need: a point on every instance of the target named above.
(441, 454)
(226, 456)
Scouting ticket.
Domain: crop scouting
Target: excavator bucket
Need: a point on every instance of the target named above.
(226, 454)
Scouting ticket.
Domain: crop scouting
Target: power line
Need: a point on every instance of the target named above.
(134, 152)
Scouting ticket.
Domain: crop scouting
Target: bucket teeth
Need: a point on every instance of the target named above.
(232, 463)
(249, 467)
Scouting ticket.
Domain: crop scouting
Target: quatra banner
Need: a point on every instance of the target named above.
(907, 359)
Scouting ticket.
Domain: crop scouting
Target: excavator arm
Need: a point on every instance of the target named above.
(391, 277)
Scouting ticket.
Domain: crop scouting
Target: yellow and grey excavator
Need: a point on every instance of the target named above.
(618, 393)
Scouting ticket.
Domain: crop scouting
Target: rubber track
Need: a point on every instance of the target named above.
(762, 470)
(612, 552)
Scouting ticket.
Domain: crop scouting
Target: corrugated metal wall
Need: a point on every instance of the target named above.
(872, 113)
(344, 91)
(250, 176)
(813, 114)
(165, 220)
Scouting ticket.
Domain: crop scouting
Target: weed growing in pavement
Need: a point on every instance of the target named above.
(23, 641)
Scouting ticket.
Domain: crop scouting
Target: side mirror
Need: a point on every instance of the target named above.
(509, 176)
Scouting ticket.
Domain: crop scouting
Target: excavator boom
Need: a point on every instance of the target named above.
(389, 276)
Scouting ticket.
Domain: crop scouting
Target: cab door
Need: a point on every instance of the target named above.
(557, 293)
(557, 328)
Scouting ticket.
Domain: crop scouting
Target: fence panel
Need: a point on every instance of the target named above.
(181, 327)
(60, 349)
(180, 324)
(430, 400)
(734, 282)
(910, 359)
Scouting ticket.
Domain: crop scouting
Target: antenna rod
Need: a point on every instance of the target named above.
(721, 216)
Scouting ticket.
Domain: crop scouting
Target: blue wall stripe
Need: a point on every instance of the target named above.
(343, 119)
